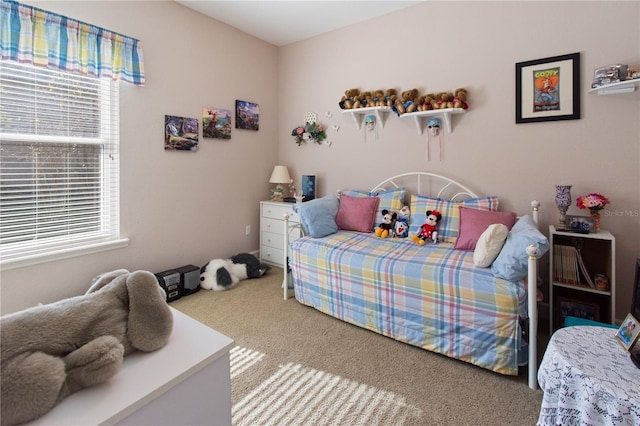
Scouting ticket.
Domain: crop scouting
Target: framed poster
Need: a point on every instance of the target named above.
(247, 115)
(548, 89)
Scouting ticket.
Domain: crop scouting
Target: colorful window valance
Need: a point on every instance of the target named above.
(35, 36)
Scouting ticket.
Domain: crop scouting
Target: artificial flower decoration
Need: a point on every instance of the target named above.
(594, 202)
(310, 132)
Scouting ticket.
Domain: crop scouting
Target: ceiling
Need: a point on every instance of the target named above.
(285, 22)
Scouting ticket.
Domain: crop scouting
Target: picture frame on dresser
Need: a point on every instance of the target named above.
(576, 308)
(628, 332)
(582, 224)
(548, 89)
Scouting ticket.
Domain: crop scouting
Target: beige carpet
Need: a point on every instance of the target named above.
(293, 365)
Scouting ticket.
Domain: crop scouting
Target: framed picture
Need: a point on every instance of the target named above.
(576, 308)
(308, 187)
(247, 115)
(582, 224)
(548, 89)
(216, 123)
(180, 133)
(628, 332)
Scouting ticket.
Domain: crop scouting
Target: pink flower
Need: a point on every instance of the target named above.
(593, 201)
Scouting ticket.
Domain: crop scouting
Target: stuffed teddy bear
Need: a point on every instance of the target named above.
(348, 98)
(378, 98)
(460, 99)
(407, 102)
(385, 229)
(223, 274)
(401, 227)
(427, 230)
(50, 351)
(390, 97)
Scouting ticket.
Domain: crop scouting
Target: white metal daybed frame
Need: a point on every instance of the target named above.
(446, 188)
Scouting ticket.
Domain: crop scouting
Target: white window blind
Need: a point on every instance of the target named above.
(59, 189)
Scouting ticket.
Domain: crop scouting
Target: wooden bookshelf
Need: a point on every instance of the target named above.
(574, 261)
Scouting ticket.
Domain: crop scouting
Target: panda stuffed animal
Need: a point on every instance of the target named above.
(223, 274)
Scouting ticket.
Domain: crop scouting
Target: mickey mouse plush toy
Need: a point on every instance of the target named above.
(385, 229)
(427, 230)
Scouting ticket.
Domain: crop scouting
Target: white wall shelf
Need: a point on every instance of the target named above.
(615, 88)
(444, 114)
(359, 113)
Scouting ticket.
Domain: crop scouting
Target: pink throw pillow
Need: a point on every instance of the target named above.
(474, 222)
(356, 213)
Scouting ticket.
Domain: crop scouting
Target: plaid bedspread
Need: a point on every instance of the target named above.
(429, 296)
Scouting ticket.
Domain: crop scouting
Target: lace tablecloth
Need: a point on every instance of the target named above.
(588, 379)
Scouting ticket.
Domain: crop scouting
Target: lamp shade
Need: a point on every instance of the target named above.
(280, 174)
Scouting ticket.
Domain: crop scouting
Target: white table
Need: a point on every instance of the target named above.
(187, 382)
(588, 378)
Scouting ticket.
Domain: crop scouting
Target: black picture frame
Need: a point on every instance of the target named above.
(576, 308)
(308, 187)
(552, 95)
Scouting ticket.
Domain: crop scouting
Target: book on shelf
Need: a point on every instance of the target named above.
(583, 269)
(569, 265)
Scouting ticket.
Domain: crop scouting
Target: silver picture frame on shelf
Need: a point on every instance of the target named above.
(582, 224)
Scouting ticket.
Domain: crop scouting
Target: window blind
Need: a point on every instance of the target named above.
(59, 184)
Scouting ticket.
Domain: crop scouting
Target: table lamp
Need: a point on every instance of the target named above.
(279, 176)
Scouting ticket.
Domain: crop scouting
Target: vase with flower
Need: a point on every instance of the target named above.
(594, 202)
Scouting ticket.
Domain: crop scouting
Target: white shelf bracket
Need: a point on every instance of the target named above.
(443, 114)
(358, 114)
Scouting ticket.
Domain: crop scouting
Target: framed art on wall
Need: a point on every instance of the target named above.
(216, 123)
(548, 89)
(180, 133)
(247, 115)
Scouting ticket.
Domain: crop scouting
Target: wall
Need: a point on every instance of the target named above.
(439, 46)
(177, 208)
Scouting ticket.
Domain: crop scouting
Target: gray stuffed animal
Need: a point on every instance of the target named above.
(49, 352)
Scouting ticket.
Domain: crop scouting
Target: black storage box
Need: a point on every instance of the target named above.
(190, 279)
(170, 283)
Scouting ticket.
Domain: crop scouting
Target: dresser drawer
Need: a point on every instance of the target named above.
(272, 255)
(270, 239)
(272, 225)
(274, 211)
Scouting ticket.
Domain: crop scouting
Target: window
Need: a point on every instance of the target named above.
(58, 163)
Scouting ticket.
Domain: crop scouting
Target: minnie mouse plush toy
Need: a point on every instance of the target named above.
(427, 230)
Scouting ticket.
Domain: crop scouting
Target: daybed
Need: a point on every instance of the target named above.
(433, 296)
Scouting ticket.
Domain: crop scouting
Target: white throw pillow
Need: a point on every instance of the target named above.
(489, 245)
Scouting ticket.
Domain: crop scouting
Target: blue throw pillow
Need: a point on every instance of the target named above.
(511, 264)
(318, 216)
